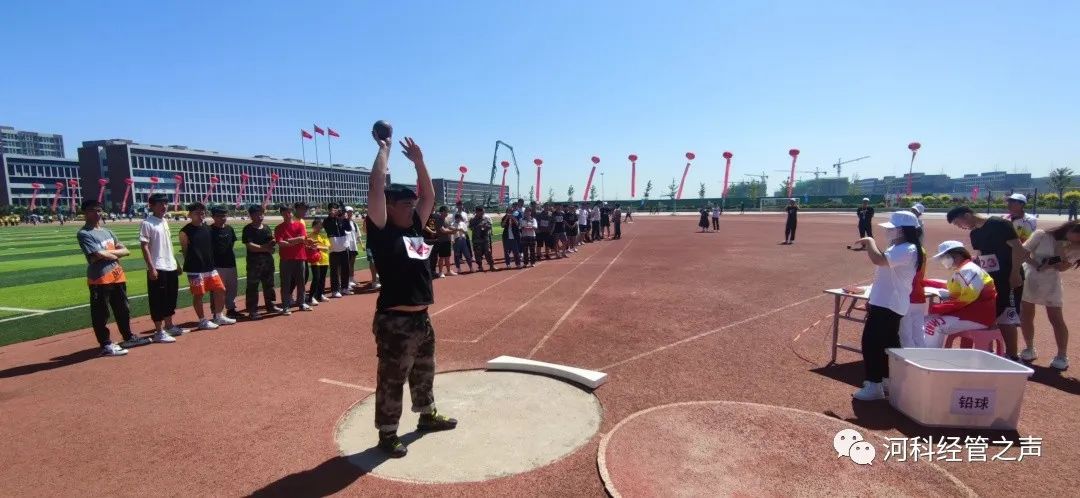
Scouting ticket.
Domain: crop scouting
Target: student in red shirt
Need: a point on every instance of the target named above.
(291, 237)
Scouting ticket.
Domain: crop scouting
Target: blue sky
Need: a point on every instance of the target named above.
(983, 85)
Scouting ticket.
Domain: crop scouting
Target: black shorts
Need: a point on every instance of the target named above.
(571, 231)
(443, 248)
(604, 222)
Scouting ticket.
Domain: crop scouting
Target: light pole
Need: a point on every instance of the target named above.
(602, 187)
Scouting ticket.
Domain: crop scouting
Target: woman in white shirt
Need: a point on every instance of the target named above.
(528, 238)
(1050, 252)
(889, 300)
(461, 242)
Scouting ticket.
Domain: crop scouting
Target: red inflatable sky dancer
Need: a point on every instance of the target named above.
(127, 192)
(209, 192)
(689, 157)
(56, 197)
(73, 186)
(460, 183)
(913, 147)
(794, 153)
(33, 196)
(727, 172)
(101, 183)
(588, 184)
(502, 187)
(538, 162)
(176, 193)
(274, 177)
(633, 174)
(243, 184)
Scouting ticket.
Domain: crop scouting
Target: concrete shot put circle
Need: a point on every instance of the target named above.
(508, 423)
(722, 448)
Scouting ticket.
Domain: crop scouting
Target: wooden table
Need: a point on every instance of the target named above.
(852, 298)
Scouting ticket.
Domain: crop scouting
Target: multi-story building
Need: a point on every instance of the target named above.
(30, 143)
(195, 172)
(471, 192)
(19, 174)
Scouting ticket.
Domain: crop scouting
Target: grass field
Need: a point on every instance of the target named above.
(43, 277)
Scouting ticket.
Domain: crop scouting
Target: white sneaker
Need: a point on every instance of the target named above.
(352, 284)
(224, 320)
(323, 299)
(1029, 355)
(452, 273)
(114, 350)
(376, 285)
(1060, 362)
(175, 331)
(313, 302)
(205, 324)
(304, 307)
(439, 275)
(335, 295)
(163, 337)
(870, 391)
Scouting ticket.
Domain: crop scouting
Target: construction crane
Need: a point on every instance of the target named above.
(841, 162)
(817, 174)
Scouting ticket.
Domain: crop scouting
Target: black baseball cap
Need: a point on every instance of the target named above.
(218, 211)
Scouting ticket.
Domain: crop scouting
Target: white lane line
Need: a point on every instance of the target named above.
(710, 332)
(22, 310)
(522, 305)
(573, 306)
(481, 291)
(346, 384)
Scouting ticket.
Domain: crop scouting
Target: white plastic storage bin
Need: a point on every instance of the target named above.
(966, 388)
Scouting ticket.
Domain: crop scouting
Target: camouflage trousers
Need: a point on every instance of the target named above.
(405, 344)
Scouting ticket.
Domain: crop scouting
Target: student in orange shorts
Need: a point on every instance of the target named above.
(196, 244)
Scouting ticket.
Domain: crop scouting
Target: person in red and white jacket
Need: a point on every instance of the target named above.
(970, 304)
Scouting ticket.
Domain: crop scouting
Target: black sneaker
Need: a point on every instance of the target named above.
(135, 341)
(392, 445)
(271, 308)
(435, 422)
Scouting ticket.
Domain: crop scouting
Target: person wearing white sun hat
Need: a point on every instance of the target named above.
(971, 301)
(894, 274)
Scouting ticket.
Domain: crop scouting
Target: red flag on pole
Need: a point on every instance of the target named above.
(318, 130)
(332, 133)
(305, 134)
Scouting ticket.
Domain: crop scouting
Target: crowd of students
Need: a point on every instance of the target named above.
(209, 262)
(1010, 268)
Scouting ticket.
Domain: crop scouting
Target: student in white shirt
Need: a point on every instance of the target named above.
(894, 274)
(162, 272)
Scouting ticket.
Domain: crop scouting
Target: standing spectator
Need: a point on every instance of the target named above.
(528, 238)
(616, 218)
(260, 244)
(319, 258)
(792, 222)
(197, 245)
(703, 220)
(558, 231)
(1025, 223)
(352, 245)
(1074, 206)
(511, 238)
(375, 285)
(1049, 253)
(605, 219)
(481, 239)
(404, 337)
(544, 239)
(570, 218)
(224, 239)
(444, 241)
(865, 213)
(335, 226)
(291, 238)
(629, 218)
(716, 217)
(742, 207)
(162, 272)
(431, 237)
(107, 281)
(583, 223)
(1001, 255)
(594, 220)
(894, 273)
(462, 248)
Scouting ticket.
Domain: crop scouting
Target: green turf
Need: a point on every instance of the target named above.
(41, 268)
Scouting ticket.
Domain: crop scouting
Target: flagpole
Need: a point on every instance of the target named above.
(303, 152)
(315, 137)
(328, 151)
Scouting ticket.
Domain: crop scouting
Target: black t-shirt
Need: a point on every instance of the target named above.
(544, 221)
(335, 226)
(256, 235)
(224, 239)
(404, 268)
(570, 218)
(865, 214)
(604, 215)
(511, 229)
(792, 212)
(992, 242)
(558, 223)
(199, 257)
